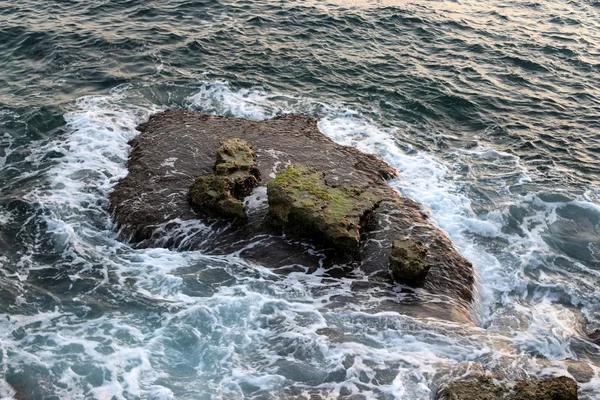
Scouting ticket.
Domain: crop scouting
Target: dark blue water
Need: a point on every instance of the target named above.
(491, 111)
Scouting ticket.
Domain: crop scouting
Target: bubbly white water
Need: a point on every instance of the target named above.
(201, 326)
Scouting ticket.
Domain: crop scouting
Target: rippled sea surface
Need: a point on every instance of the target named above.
(489, 109)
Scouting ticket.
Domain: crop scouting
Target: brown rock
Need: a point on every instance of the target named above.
(235, 175)
(300, 200)
(177, 146)
(561, 388)
(581, 371)
(236, 156)
(408, 261)
(479, 388)
(486, 388)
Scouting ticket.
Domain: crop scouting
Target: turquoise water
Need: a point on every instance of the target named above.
(490, 110)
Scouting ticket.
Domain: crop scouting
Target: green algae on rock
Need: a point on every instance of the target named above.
(235, 176)
(236, 156)
(408, 261)
(300, 199)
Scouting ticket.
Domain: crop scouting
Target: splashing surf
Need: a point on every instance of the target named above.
(157, 323)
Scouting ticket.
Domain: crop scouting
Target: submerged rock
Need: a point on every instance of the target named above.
(3, 243)
(235, 175)
(581, 371)
(301, 200)
(151, 207)
(487, 388)
(408, 261)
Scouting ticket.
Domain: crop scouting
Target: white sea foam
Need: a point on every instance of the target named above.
(423, 177)
(6, 143)
(247, 330)
(439, 186)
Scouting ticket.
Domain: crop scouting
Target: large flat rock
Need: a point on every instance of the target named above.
(174, 147)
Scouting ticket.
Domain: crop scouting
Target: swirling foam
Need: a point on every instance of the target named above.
(184, 324)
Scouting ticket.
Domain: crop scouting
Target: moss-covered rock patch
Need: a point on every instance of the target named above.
(154, 202)
(486, 388)
(301, 201)
(236, 156)
(235, 175)
(408, 261)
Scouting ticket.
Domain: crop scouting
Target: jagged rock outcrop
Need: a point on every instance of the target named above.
(151, 208)
(235, 175)
(408, 261)
(300, 200)
(484, 387)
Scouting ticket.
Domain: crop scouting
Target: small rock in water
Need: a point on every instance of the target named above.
(555, 197)
(580, 370)
(486, 388)
(236, 174)
(594, 336)
(408, 261)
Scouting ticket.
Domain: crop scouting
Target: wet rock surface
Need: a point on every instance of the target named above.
(580, 371)
(235, 175)
(408, 261)
(151, 208)
(486, 388)
(300, 200)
